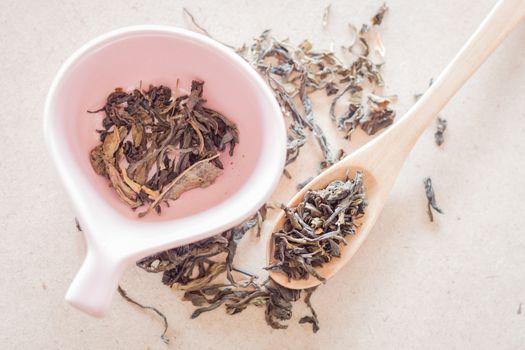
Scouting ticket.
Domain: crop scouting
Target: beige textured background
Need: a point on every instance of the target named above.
(456, 283)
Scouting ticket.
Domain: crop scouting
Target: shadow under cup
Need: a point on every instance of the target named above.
(155, 58)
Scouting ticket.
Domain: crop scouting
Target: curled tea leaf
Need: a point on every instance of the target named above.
(151, 137)
(125, 193)
(126, 297)
(201, 28)
(378, 17)
(379, 114)
(313, 320)
(96, 157)
(431, 199)
(441, 127)
(314, 230)
(137, 134)
(200, 174)
(112, 142)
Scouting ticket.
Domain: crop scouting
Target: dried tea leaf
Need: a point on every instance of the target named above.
(379, 114)
(313, 320)
(314, 230)
(131, 184)
(194, 22)
(378, 17)
(441, 127)
(199, 283)
(167, 135)
(153, 195)
(111, 144)
(190, 267)
(201, 28)
(137, 134)
(377, 120)
(306, 45)
(125, 193)
(126, 297)
(77, 224)
(201, 174)
(96, 157)
(431, 199)
(301, 70)
(360, 48)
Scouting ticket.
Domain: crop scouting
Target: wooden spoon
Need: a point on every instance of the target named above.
(381, 159)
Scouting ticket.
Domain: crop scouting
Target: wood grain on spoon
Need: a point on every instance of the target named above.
(381, 159)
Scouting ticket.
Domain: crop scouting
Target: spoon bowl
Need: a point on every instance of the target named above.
(381, 159)
(377, 187)
(354, 242)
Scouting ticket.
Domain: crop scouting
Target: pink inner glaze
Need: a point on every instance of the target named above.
(154, 58)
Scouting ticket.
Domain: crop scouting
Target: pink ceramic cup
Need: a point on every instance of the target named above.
(115, 236)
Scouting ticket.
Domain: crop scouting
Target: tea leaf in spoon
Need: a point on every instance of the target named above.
(313, 230)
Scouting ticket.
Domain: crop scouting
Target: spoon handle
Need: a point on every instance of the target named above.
(505, 15)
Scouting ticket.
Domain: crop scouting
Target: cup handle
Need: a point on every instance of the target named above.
(95, 284)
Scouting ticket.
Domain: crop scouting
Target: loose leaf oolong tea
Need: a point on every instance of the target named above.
(155, 146)
(205, 269)
(314, 230)
(295, 72)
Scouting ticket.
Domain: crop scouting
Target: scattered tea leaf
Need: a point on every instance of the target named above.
(431, 199)
(378, 115)
(201, 28)
(294, 72)
(378, 17)
(313, 320)
(126, 297)
(77, 224)
(441, 127)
